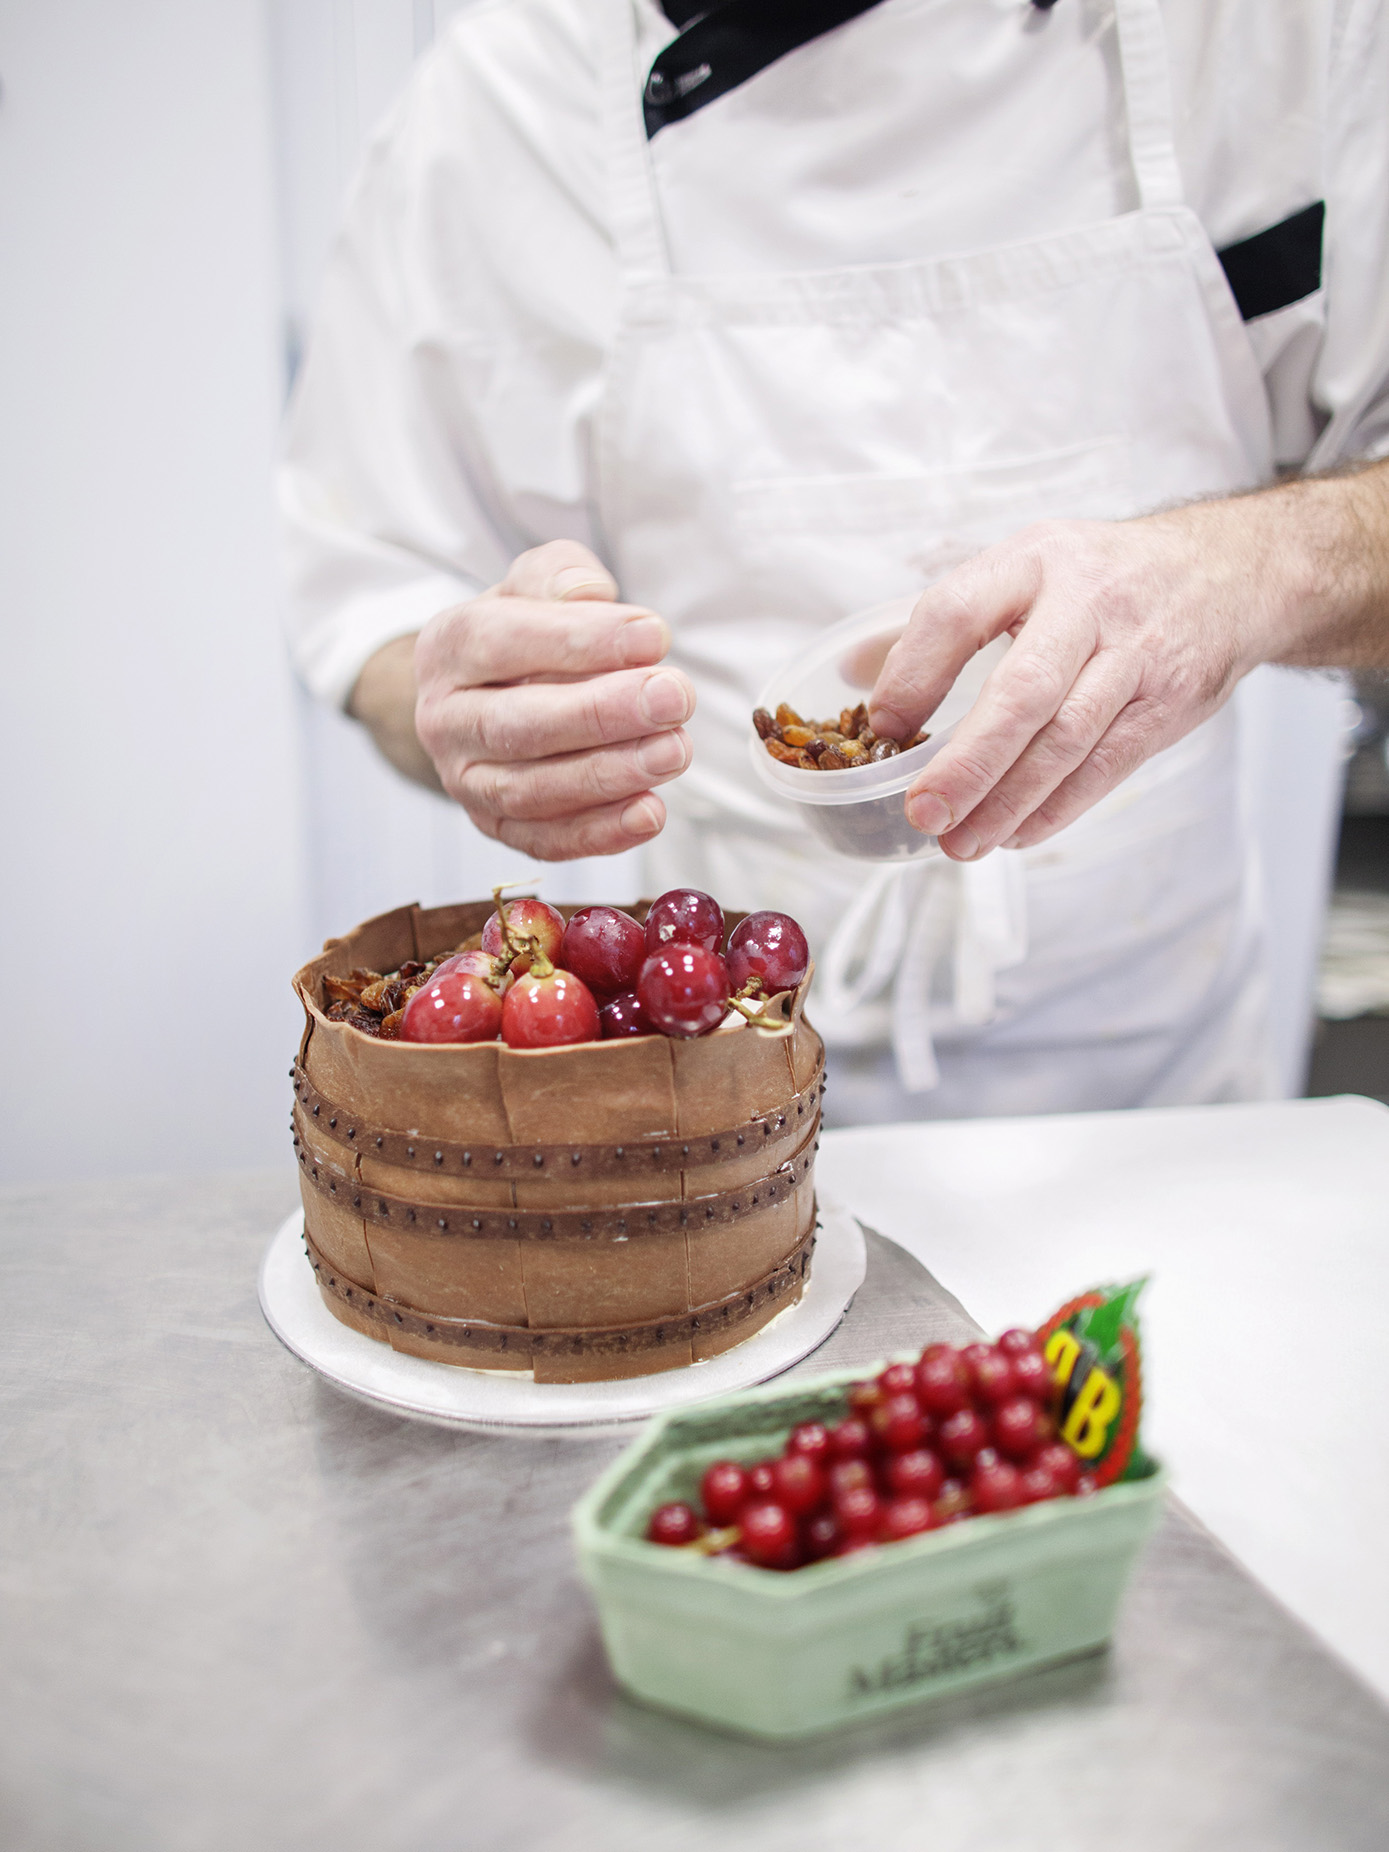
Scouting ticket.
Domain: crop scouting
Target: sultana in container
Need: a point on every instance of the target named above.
(786, 1655)
(859, 811)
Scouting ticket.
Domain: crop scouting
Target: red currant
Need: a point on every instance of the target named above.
(1059, 1461)
(899, 1424)
(898, 1379)
(684, 916)
(799, 1484)
(848, 1476)
(528, 918)
(770, 947)
(1086, 1485)
(761, 1483)
(997, 1487)
(953, 1501)
(858, 1511)
(1031, 1374)
(942, 1381)
(1038, 1483)
(684, 990)
(724, 1489)
(864, 1398)
(918, 1474)
(460, 1006)
(623, 1015)
(821, 1536)
(674, 1524)
(850, 1439)
(769, 1535)
(549, 1012)
(1018, 1427)
(905, 1517)
(605, 947)
(991, 1372)
(961, 1435)
(812, 1438)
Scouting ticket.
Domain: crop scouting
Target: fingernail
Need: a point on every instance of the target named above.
(662, 753)
(1013, 842)
(665, 699)
(929, 813)
(888, 725)
(964, 844)
(640, 818)
(643, 639)
(575, 581)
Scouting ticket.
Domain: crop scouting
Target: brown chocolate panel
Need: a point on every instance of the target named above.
(459, 1279)
(726, 1257)
(729, 1076)
(339, 1235)
(606, 1281)
(586, 1366)
(595, 1091)
(423, 1183)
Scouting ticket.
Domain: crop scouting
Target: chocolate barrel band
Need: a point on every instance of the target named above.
(609, 1222)
(445, 1157)
(481, 1340)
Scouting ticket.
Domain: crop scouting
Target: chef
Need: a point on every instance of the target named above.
(658, 338)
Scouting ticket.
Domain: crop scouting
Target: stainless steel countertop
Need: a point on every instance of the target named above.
(238, 1610)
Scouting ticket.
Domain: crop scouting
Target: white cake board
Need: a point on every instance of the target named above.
(460, 1397)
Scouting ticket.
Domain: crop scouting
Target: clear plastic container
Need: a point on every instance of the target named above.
(781, 1656)
(859, 811)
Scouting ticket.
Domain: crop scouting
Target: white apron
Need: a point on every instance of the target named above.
(777, 451)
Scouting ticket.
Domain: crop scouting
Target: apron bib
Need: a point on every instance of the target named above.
(777, 451)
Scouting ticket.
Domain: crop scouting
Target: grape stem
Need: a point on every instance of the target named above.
(517, 944)
(742, 1002)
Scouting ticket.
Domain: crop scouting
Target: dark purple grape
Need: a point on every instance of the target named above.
(770, 947)
(605, 947)
(684, 916)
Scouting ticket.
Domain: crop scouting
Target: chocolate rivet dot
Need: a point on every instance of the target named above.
(411, 1214)
(356, 1202)
(467, 1159)
(442, 1222)
(684, 1150)
(713, 1144)
(740, 1138)
(477, 1221)
(538, 1159)
(620, 1152)
(498, 1157)
(547, 1224)
(315, 1112)
(351, 1131)
(438, 1157)
(379, 1143)
(576, 1157)
(409, 1151)
(333, 1121)
(511, 1221)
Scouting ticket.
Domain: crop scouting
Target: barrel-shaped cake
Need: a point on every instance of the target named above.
(600, 1210)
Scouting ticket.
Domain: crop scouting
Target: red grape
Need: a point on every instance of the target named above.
(623, 1015)
(942, 1381)
(769, 1535)
(684, 990)
(770, 947)
(905, 1517)
(724, 1489)
(604, 947)
(1018, 1427)
(918, 1474)
(481, 964)
(684, 916)
(961, 1436)
(1060, 1462)
(798, 1483)
(549, 1012)
(991, 1371)
(460, 1006)
(812, 1438)
(528, 918)
(674, 1524)
(899, 1423)
(997, 1487)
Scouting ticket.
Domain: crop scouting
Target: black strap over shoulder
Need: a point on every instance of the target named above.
(1278, 266)
(723, 45)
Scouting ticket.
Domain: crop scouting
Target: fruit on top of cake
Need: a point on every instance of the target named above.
(684, 989)
(604, 948)
(927, 1442)
(481, 964)
(527, 920)
(458, 1005)
(548, 1008)
(769, 947)
(623, 1015)
(685, 916)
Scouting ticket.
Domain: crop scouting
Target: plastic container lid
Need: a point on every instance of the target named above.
(859, 811)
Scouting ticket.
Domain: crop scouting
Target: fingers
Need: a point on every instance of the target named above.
(561, 569)
(595, 832)
(494, 639)
(1137, 733)
(1021, 696)
(1102, 690)
(540, 718)
(953, 620)
(567, 784)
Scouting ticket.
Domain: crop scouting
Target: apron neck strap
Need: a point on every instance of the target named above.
(635, 215)
(1148, 102)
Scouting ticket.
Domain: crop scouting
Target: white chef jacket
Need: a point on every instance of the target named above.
(441, 423)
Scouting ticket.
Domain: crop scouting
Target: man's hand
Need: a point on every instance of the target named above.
(1126, 636)
(543, 711)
